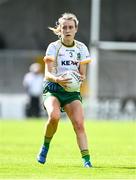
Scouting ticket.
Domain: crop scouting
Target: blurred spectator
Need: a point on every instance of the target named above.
(33, 85)
(126, 101)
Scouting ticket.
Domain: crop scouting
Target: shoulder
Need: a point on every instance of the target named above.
(55, 44)
(80, 44)
(28, 76)
(52, 50)
(82, 47)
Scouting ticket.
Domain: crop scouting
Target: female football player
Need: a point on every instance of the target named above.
(63, 55)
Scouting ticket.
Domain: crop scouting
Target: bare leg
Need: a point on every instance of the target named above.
(75, 112)
(53, 109)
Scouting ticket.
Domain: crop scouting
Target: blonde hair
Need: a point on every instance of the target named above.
(65, 16)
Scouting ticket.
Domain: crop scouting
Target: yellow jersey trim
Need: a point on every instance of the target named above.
(48, 58)
(86, 61)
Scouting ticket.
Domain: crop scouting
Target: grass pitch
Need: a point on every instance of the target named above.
(112, 146)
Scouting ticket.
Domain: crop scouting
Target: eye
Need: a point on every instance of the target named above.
(64, 27)
(70, 27)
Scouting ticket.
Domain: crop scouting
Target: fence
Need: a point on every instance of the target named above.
(116, 79)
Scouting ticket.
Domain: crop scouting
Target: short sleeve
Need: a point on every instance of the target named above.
(85, 55)
(50, 53)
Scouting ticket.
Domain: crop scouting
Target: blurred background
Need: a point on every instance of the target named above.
(108, 29)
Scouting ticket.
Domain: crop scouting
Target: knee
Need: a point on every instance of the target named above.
(54, 117)
(79, 127)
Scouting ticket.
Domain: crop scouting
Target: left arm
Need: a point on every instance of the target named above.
(82, 71)
(85, 59)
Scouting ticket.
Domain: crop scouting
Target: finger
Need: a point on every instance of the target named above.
(67, 79)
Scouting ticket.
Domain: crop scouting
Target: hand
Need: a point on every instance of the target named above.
(63, 81)
(82, 77)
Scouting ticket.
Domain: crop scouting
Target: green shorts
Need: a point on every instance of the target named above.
(63, 96)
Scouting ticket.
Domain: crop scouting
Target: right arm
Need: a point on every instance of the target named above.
(48, 69)
(49, 62)
(50, 77)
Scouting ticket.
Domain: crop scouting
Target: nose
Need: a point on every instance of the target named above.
(67, 29)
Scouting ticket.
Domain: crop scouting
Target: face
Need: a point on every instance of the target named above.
(68, 31)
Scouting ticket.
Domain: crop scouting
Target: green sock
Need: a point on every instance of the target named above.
(47, 141)
(85, 155)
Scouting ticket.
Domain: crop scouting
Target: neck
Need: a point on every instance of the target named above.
(68, 43)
